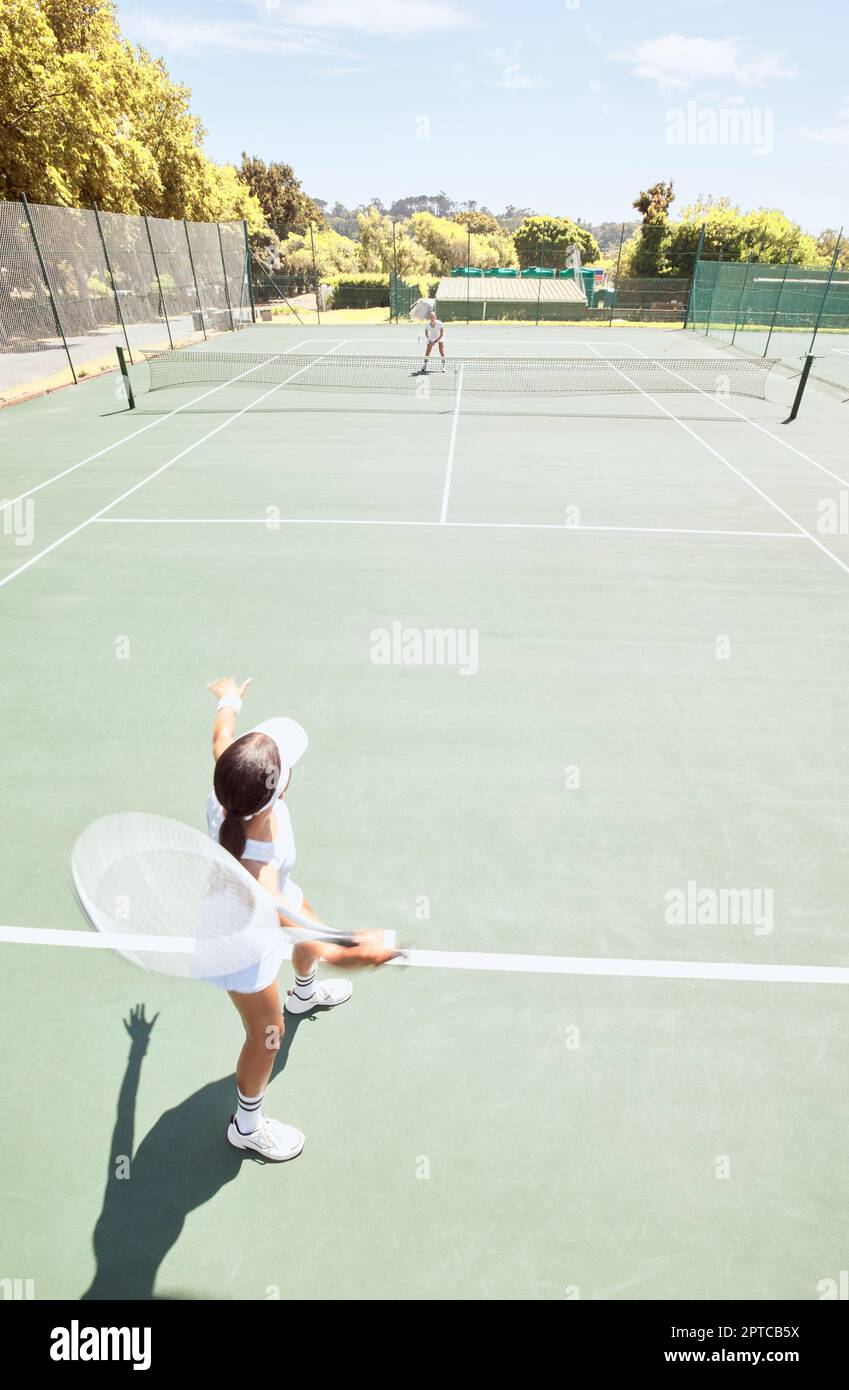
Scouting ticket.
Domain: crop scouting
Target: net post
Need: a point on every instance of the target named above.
(775, 310)
(616, 275)
(54, 306)
(224, 273)
(128, 386)
(111, 274)
(800, 389)
(539, 277)
(248, 270)
(315, 274)
(395, 273)
(195, 278)
(158, 280)
(691, 298)
(827, 288)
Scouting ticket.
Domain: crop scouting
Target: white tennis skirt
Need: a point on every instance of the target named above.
(264, 972)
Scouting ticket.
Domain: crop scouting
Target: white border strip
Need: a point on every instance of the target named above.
(449, 469)
(460, 525)
(479, 960)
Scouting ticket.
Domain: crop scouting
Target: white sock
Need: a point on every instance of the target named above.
(248, 1112)
(305, 984)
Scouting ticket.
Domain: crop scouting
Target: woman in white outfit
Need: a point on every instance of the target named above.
(246, 813)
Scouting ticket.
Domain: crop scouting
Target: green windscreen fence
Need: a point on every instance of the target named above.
(729, 295)
(402, 296)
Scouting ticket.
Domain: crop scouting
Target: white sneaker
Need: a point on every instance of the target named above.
(326, 996)
(272, 1140)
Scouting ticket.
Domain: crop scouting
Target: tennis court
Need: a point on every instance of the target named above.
(574, 665)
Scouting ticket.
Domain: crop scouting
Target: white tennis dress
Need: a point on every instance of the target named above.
(281, 853)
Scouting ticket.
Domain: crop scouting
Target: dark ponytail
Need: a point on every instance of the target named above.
(232, 836)
(246, 777)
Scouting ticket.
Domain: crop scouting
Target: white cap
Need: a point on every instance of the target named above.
(291, 740)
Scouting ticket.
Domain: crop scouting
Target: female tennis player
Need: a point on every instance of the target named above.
(246, 813)
(435, 334)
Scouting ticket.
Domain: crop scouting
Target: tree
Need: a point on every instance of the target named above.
(439, 204)
(334, 254)
(648, 254)
(826, 242)
(448, 244)
(287, 208)
(483, 222)
(655, 202)
(376, 246)
(85, 117)
(550, 238)
(766, 234)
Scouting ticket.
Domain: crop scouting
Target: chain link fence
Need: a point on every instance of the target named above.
(75, 283)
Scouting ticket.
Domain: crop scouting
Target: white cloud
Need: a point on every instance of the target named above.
(227, 36)
(512, 73)
(319, 28)
(396, 19)
(835, 134)
(674, 61)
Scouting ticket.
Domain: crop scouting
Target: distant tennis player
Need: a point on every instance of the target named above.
(246, 813)
(435, 335)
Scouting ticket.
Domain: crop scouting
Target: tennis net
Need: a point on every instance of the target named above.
(480, 376)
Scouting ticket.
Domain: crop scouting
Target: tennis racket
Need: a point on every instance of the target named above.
(175, 902)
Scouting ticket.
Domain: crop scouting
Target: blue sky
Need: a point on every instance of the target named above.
(566, 106)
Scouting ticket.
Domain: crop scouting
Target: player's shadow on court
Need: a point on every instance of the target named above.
(179, 1165)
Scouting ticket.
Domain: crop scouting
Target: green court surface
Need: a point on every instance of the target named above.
(577, 1094)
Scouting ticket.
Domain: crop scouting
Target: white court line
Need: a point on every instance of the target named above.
(13, 574)
(842, 351)
(754, 423)
(469, 525)
(452, 444)
(57, 477)
(480, 960)
(732, 467)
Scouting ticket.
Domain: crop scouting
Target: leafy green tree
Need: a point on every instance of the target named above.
(648, 251)
(826, 242)
(86, 117)
(439, 204)
(553, 236)
(334, 254)
(287, 208)
(482, 222)
(376, 248)
(448, 244)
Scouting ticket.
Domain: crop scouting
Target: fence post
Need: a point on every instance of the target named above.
(468, 269)
(158, 280)
(539, 277)
(395, 273)
(195, 278)
(827, 288)
(226, 286)
(315, 276)
(111, 275)
(248, 270)
(54, 306)
(616, 275)
(740, 300)
(775, 310)
(713, 294)
(691, 298)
